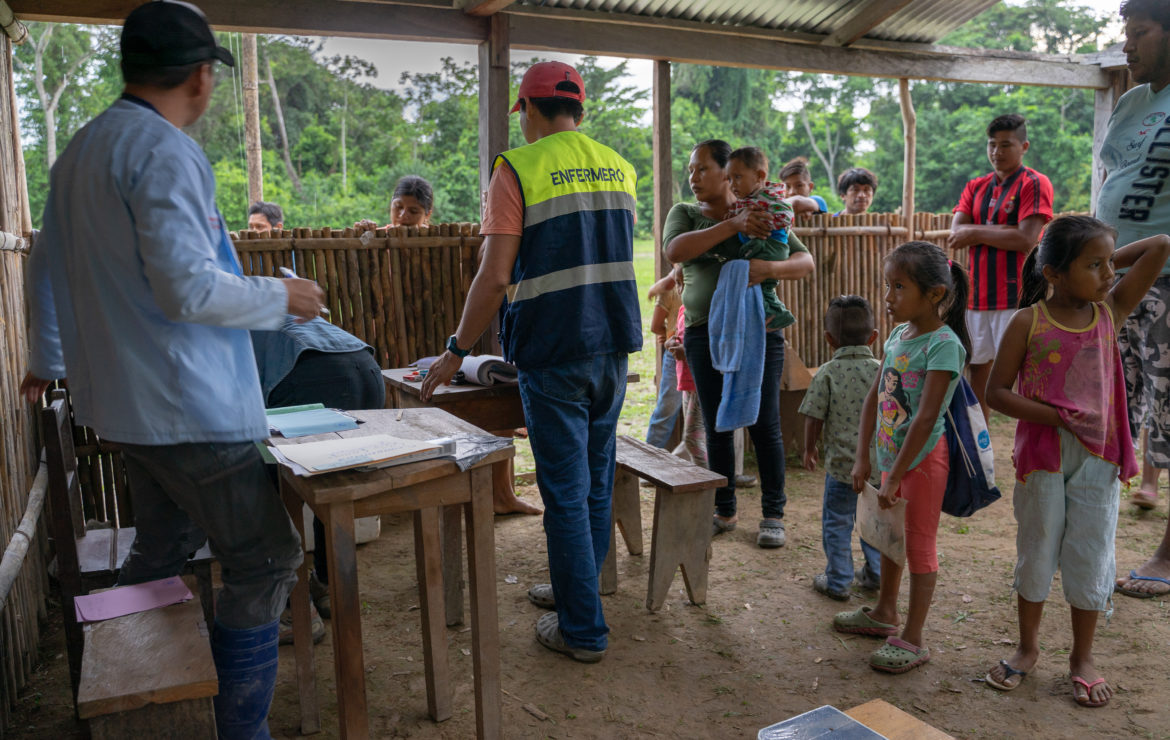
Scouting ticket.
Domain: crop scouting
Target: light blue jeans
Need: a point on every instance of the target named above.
(572, 411)
(668, 411)
(837, 518)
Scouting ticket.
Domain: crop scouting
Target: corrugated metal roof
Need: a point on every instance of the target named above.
(924, 21)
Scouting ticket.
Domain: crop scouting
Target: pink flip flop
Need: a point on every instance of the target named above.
(1088, 702)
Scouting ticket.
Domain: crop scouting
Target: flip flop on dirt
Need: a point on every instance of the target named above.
(1087, 699)
(898, 656)
(860, 623)
(1008, 674)
(1133, 576)
(1144, 499)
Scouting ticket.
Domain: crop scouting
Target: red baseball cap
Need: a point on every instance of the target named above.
(550, 80)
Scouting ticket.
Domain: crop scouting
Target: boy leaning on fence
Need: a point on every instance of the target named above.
(832, 404)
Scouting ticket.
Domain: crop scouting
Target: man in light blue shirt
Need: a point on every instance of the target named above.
(136, 294)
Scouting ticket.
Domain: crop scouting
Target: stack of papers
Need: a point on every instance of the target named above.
(301, 421)
(374, 451)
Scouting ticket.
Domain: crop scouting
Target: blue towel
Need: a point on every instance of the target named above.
(736, 328)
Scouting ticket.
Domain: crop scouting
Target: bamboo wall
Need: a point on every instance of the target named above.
(400, 290)
(24, 609)
(848, 251)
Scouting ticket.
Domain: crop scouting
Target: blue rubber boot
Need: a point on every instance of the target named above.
(246, 662)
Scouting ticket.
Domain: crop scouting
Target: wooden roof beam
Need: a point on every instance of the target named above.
(304, 17)
(483, 7)
(862, 18)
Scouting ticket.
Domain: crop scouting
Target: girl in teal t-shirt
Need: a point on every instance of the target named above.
(905, 408)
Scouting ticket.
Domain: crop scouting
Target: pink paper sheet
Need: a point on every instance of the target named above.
(124, 600)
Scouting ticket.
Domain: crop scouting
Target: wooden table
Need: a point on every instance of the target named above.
(422, 488)
(496, 408)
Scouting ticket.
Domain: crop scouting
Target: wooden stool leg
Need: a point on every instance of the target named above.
(429, 565)
(302, 624)
(681, 536)
(627, 509)
(485, 627)
(453, 583)
(608, 578)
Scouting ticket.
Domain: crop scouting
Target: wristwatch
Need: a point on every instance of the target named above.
(453, 348)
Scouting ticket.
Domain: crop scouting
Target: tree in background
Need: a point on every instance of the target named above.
(334, 145)
(64, 76)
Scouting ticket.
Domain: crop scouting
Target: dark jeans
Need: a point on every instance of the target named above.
(224, 490)
(572, 411)
(765, 433)
(349, 381)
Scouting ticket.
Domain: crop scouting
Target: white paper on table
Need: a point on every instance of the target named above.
(354, 452)
(885, 529)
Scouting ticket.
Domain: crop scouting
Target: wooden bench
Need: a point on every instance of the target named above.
(148, 675)
(684, 502)
(88, 558)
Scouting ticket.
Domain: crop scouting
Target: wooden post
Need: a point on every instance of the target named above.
(494, 102)
(1103, 102)
(248, 67)
(663, 169)
(910, 133)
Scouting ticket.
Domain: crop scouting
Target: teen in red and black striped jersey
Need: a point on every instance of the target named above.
(998, 221)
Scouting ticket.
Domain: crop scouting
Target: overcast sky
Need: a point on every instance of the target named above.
(392, 58)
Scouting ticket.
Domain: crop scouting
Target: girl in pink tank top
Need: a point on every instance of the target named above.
(1073, 439)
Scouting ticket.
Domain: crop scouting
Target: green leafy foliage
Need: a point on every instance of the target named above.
(430, 126)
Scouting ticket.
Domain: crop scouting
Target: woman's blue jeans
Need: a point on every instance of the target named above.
(572, 412)
(668, 411)
(837, 518)
(765, 433)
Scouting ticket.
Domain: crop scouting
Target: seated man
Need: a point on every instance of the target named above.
(312, 362)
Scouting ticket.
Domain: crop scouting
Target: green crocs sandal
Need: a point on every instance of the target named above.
(898, 656)
(860, 623)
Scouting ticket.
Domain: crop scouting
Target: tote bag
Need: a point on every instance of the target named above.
(971, 480)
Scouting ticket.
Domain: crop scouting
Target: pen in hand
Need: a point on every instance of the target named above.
(290, 274)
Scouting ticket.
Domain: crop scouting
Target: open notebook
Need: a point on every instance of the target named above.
(376, 450)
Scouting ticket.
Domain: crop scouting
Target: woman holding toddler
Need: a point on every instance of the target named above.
(704, 237)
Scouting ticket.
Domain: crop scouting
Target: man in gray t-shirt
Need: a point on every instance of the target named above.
(1135, 200)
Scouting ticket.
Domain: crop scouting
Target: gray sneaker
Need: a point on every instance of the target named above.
(548, 633)
(317, 628)
(771, 533)
(541, 594)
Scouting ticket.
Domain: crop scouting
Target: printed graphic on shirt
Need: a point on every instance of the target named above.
(893, 405)
(1137, 203)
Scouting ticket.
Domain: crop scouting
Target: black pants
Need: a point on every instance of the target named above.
(765, 433)
(349, 381)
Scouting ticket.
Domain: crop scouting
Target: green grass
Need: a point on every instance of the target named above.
(640, 396)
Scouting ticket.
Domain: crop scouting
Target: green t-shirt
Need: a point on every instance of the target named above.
(701, 274)
(904, 370)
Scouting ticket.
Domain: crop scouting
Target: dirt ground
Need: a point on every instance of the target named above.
(761, 649)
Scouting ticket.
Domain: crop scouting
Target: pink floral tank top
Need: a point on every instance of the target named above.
(1079, 372)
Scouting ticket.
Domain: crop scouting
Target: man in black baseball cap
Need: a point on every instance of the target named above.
(169, 33)
(139, 299)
